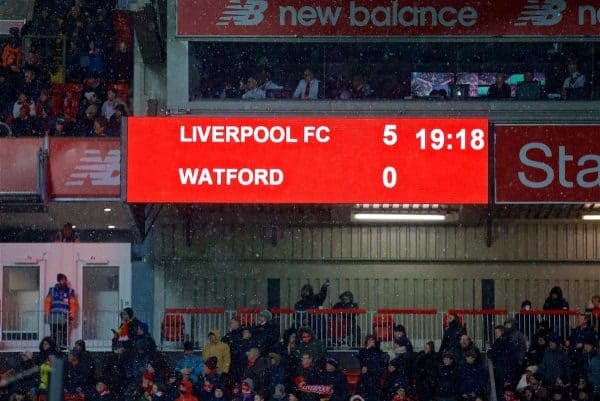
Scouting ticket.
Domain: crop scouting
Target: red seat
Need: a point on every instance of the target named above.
(173, 327)
(122, 90)
(123, 23)
(352, 376)
(74, 397)
(383, 326)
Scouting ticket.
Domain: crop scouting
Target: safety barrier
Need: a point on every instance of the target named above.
(338, 328)
(421, 325)
(479, 323)
(191, 324)
(559, 321)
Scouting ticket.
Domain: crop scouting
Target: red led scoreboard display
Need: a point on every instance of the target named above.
(307, 160)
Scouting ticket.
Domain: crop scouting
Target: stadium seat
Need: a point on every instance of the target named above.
(383, 326)
(122, 89)
(173, 326)
(123, 23)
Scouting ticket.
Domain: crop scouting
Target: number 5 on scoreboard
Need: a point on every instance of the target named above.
(390, 137)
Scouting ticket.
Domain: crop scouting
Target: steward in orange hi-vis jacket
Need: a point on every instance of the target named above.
(60, 308)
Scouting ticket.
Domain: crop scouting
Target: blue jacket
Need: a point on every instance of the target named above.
(472, 379)
(193, 362)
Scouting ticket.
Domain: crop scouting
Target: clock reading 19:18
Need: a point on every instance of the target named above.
(437, 139)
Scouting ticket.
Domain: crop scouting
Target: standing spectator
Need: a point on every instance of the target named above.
(256, 369)
(43, 109)
(447, 379)
(122, 63)
(529, 89)
(218, 349)
(24, 124)
(516, 341)
(555, 363)
(556, 302)
(47, 346)
(31, 85)
(372, 362)
(398, 376)
(266, 332)
(110, 105)
(466, 345)
(333, 377)
(426, 371)
(525, 322)
(504, 359)
(60, 307)
(286, 348)
(307, 382)
(93, 83)
(582, 332)
(472, 378)
(276, 373)
(127, 332)
(67, 234)
(115, 122)
(70, 109)
(452, 334)
(308, 88)
(77, 375)
(499, 89)
(309, 300)
(575, 83)
(234, 340)
(308, 344)
(346, 321)
(191, 365)
(400, 338)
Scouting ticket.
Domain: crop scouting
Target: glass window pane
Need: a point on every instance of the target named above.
(20, 303)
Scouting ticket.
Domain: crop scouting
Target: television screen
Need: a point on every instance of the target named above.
(514, 79)
(479, 82)
(423, 83)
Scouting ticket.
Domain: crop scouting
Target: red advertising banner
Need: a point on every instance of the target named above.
(19, 165)
(318, 18)
(547, 164)
(307, 160)
(85, 168)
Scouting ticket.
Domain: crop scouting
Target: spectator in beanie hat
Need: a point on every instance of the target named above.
(276, 373)
(333, 377)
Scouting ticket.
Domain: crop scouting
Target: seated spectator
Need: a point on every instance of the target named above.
(31, 85)
(400, 338)
(452, 334)
(256, 369)
(266, 83)
(582, 332)
(307, 381)
(86, 357)
(229, 90)
(20, 394)
(23, 101)
(247, 391)
(529, 394)
(210, 378)
(582, 359)
(100, 127)
(334, 377)
(70, 109)
(122, 63)
(86, 125)
(398, 375)
(102, 392)
(109, 107)
(337, 89)
(116, 121)
(525, 380)
(190, 366)
(466, 345)
(57, 128)
(360, 89)
(77, 375)
(93, 83)
(499, 89)
(218, 393)
(114, 370)
(286, 348)
(218, 349)
(575, 83)
(253, 92)
(529, 89)
(426, 366)
(308, 88)
(43, 108)
(24, 124)
(90, 99)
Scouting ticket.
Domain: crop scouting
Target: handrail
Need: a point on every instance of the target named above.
(407, 311)
(195, 310)
(563, 312)
(478, 311)
(352, 311)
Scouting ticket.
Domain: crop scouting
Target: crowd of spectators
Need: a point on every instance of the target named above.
(257, 362)
(88, 103)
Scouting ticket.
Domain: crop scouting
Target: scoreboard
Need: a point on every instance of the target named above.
(246, 160)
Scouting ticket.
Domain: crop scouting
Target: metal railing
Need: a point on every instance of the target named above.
(345, 329)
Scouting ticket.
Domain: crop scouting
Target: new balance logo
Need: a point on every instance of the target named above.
(542, 13)
(243, 12)
(100, 171)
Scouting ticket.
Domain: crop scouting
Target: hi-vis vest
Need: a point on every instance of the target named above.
(60, 299)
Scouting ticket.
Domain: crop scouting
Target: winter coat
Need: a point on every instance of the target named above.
(426, 366)
(447, 381)
(404, 342)
(309, 376)
(375, 361)
(556, 304)
(193, 362)
(461, 352)
(516, 343)
(314, 348)
(114, 371)
(257, 372)
(311, 300)
(238, 356)
(555, 363)
(505, 361)
(288, 355)
(266, 336)
(450, 341)
(472, 379)
(593, 376)
(137, 367)
(392, 382)
(580, 364)
(580, 335)
(77, 378)
(219, 350)
(338, 381)
(275, 374)
(349, 305)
